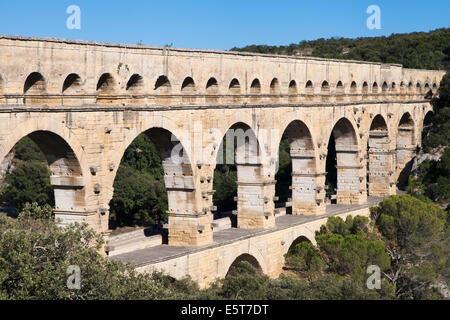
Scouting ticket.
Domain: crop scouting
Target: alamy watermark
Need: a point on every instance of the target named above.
(374, 20)
(73, 22)
(74, 279)
(374, 280)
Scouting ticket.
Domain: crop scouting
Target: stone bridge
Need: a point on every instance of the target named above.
(84, 103)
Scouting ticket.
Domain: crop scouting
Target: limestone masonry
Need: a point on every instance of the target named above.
(84, 103)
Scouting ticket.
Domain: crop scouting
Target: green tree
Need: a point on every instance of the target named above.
(29, 182)
(416, 237)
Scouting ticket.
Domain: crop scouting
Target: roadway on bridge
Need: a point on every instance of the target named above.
(147, 256)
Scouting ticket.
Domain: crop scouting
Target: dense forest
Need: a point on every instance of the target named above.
(420, 50)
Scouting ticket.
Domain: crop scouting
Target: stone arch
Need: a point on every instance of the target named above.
(325, 90)
(344, 144)
(405, 148)
(275, 89)
(410, 88)
(106, 84)
(106, 87)
(380, 164)
(375, 88)
(178, 180)
(245, 257)
(235, 90)
(235, 86)
(309, 90)
(427, 123)
(418, 88)
(255, 89)
(254, 190)
(188, 88)
(297, 241)
(34, 86)
(292, 91)
(163, 89)
(306, 196)
(162, 85)
(66, 162)
(340, 91)
(428, 91)
(393, 87)
(135, 84)
(384, 88)
(365, 90)
(188, 85)
(212, 89)
(72, 84)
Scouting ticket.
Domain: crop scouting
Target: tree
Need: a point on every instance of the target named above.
(35, 255)
(28, 182)
(416, 237)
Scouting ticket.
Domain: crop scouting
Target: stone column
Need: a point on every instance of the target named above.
(350, 176)
(381, 165)
(187, 225)
(308, 192)
(255, 206)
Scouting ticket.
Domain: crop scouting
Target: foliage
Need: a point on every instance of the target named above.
(225, 177)
(140, 196)
(28, 182)
(420, 50)
(35, 255)
(139, 199)
(416, 237)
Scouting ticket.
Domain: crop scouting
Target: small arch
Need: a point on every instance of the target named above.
(410, 87)
(292, 91)
(244, 258)
(325, 86)
(393, 87)
(418, 88)
(365, 88)
(275, 86)
(188, 85)
(378, 123)
(212, 86)
(297, 241)
(375, 88)
(106, 83)
(135, 83)
(162, 85)
(35, 83)
(72, 84)
(1, 84)
(309, 85)
(353, 87)
(255, 87)
(384, 88)
(340, 85)
(234, 87)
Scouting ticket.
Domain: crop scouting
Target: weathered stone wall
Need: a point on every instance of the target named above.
(84, 103)
(206, 265)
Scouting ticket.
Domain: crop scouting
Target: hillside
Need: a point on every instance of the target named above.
(420, 50)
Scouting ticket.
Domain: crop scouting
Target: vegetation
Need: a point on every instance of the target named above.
(407, 238)
(432, 177)
(420, 50)
(140, 196)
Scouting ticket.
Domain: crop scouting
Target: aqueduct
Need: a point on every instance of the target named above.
(84, 103)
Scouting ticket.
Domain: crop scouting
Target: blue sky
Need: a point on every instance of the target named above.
(217, 24)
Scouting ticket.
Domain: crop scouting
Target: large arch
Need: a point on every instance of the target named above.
(427, 123)
(405, 148)
(381, 164)
(255, 206)
(303, 178)
(245, 257)
(66, 163)
(346, 178)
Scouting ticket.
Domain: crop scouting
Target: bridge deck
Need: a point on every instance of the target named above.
(160, 253)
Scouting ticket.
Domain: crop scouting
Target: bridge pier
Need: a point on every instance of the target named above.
(255, 206)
